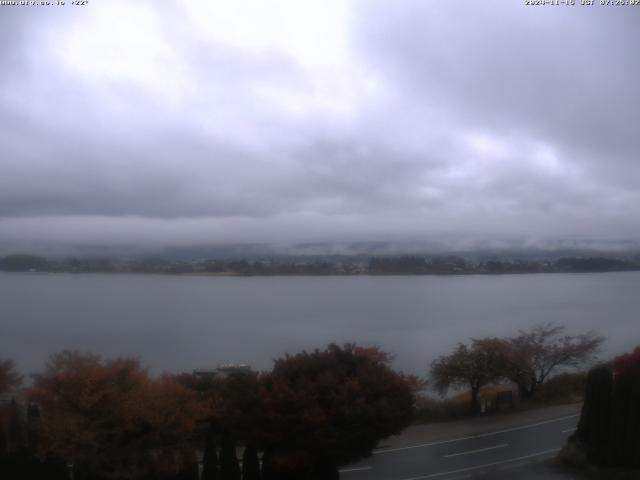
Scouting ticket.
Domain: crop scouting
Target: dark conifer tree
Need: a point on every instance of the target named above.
(624, 423)
(267, 466)
(634, 426)
(54, 469)
(191, 471)
(595, 422)
(609, 427)
(17, 434)
(3, 436)
(325, 470)
(210, 459)
(229, 466)
(250, 464)
(625, 420)
(33, 427)
(188, 469)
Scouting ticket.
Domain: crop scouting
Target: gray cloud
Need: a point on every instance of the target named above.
(359, 120)
(564, 76)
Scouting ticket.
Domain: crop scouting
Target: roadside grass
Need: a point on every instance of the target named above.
(562, 389)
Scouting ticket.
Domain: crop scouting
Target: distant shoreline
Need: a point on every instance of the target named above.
(326, 265)
(265, 275)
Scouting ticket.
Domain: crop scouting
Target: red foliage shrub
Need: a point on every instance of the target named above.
(628, 365)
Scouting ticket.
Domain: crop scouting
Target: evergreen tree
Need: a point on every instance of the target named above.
(250, 464)
(621, 436)
(609, 426)
(210, 459)
(595, 421)
(325, 470)
(33, 427)
(54, 469)
(267, 466)
(625, 431)
(229, 466)
(17, 434)
(3, 434)
(189, 470)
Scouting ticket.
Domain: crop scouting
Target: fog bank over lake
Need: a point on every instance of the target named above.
(178, 323)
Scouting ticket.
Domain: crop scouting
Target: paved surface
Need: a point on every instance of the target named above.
(501, 447)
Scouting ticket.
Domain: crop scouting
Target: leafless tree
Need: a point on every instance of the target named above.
(537, 352)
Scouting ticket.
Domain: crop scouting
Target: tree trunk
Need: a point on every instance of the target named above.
(526, 389)
(475, 406)
(523, 391)
(533, 387)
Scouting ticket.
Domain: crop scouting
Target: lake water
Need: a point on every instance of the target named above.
(178, 323)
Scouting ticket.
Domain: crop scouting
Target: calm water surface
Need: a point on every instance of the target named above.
(178, 322)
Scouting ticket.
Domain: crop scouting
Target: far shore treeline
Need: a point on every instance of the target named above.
(329, 265)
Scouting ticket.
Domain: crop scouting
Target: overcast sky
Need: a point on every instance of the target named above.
(146, 122)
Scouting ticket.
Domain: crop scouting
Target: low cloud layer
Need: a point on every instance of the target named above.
(252, 121)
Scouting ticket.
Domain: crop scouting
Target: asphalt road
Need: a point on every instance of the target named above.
(520, 452)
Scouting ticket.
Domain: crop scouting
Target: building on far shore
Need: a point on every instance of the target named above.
(223, 371)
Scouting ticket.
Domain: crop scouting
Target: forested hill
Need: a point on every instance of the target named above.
(326, 265)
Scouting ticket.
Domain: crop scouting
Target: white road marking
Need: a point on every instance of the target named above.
(469, 452)
(492, 464)
(357, 469)
(570, 430)
(471, 437)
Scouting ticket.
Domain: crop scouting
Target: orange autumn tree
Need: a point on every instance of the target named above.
(110, 418)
